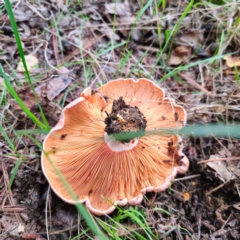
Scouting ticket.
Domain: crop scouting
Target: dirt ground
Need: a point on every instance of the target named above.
(88, 43)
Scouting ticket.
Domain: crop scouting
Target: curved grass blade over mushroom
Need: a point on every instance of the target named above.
(102, 168)
(196, 130)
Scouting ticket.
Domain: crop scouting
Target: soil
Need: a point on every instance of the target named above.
(75, 45)
(125, 119)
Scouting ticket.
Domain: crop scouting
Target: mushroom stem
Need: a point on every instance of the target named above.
(118, 146)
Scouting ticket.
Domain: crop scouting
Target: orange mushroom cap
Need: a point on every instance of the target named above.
(102, 171)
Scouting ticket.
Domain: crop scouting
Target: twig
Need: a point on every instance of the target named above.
(219, 159)
(9, 193)
(55, 46)
(195, 84)
(215, 189)
(186, 178)
(46, 213)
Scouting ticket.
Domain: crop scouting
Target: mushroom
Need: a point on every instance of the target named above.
(102, 169)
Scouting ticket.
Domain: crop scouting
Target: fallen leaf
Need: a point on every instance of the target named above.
(192, 38)
(220, 108)
(182, 51)
(221, 169)
(179, 55)
(234, 167)
(31, 63)
(53, 87)
(63, 70)
(234, 223)
(50, 89)
(121, 9)
(10, 225)
(26, 96)
(232, 61)
(224, 153)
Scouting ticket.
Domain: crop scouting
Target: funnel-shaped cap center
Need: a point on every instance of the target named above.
(125, 122)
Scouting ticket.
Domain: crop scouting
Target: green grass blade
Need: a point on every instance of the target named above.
(216, 130)
(111, 48)
(14, 172)
(140, 13)
(11, 145)
(20, 102)
(171, 35)
(123, 62)
(182, 68)
(196, 130)
(31, 131)
(4, 134)
(21, 53)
